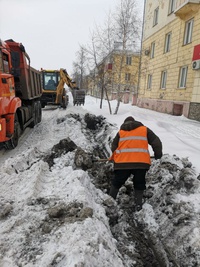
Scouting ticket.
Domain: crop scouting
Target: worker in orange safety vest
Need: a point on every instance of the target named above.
(131, 156)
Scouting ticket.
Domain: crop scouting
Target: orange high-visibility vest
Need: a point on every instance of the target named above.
(132, 147)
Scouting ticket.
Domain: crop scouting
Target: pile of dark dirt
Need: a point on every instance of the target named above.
(63, 147)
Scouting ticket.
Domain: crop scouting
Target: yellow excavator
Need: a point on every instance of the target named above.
(53, 91)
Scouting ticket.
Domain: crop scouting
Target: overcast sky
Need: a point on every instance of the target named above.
(51, 30)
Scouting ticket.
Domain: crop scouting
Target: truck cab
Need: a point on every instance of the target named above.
(20, 91)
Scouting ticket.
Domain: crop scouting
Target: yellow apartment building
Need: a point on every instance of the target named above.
(169, 77)
(118, 69)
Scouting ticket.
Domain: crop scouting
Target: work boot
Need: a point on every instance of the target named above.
(113, 192)
(138, 199)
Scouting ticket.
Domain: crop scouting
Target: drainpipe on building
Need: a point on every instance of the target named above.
(139, 72)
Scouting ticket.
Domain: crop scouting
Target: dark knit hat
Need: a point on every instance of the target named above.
(129, 119)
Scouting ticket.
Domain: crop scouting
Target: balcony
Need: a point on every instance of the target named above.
(189, 7)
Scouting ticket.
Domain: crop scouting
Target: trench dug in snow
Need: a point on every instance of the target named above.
(161, 234)
(158, 241)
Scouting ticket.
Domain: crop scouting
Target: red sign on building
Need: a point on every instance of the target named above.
(196, 52)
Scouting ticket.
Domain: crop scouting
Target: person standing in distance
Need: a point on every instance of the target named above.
(131, 156)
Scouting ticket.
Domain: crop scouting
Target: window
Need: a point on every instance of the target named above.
(167, 42)
(152, 49)
(155, 17)
(188, 32)
(149, 81)
(50, 80)
(109, 66)
(163, 79)
(183, 77)
(127, 76)
(1, 62)
(171, 6)
(128, 60)
(5, 63)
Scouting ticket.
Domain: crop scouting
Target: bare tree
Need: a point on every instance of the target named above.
(127, 25)
(99, 47)
(80, 66)
(119, 27)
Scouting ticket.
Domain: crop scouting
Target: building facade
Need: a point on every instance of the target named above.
(170, 61)
(117, 72)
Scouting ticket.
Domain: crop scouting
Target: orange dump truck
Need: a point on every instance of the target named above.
(20, 92)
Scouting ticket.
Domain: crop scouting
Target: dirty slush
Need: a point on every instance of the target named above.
(149, 250)
(164, 180)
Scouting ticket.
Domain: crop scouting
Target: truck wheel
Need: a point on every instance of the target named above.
(39, 112)
(34, 115)
(43, 104)
(64, 103)
(13, 142)
(64, 106)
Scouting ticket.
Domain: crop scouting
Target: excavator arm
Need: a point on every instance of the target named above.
(78, 94)
(65, 77)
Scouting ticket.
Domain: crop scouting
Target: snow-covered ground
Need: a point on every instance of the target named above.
(53, 215)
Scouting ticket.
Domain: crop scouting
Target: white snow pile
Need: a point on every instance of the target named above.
(55, 210)
(171, 214)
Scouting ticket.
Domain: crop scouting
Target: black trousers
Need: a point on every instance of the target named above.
(139, 182)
